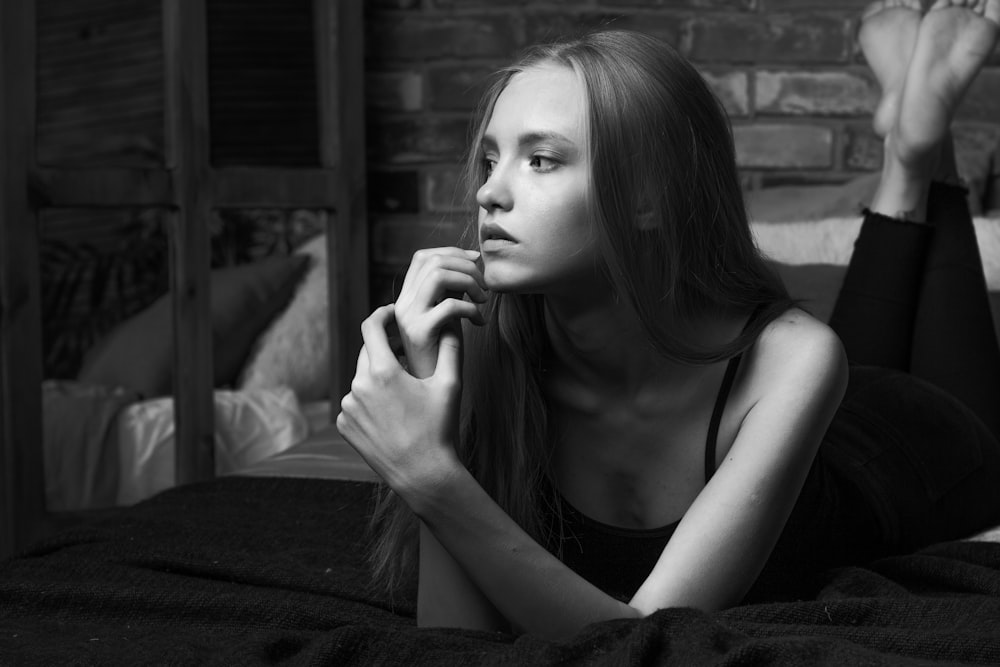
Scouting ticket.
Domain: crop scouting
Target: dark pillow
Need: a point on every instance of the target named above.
(137, 354)
(816, 286)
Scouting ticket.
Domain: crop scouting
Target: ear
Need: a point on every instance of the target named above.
(645, 218)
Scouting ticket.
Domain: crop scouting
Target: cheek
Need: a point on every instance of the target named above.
(569, 230)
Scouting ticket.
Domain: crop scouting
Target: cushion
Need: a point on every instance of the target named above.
(812, 256)
(81, 444)
(294, 351)
(811, 202)
(831, 241)
(138, 353)
(250, 426)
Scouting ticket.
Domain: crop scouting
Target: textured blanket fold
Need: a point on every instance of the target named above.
(270, 570)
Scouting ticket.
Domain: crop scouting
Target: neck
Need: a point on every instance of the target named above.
(601, 342)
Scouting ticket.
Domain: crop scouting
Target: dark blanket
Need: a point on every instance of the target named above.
(264, 571)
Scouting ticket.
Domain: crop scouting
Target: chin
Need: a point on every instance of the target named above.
(504, 281)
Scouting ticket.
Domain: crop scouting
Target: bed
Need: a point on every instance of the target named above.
(266, 565)
(269, 570)
(259, 558)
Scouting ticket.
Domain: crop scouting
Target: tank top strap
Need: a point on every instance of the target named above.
(720, 406)
(720, 402)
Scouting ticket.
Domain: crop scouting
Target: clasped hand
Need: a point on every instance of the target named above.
(404, 423)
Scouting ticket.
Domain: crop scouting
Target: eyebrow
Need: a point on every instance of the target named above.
(530, 138)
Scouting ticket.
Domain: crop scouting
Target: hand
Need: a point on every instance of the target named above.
(404, 427)
(432, 297)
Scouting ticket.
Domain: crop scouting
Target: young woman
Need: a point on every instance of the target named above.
(646, 420)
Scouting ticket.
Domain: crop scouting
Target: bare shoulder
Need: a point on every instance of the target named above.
(797, 348)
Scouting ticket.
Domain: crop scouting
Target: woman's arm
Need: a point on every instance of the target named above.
(720, 545)
(730, 530)
(526, 583)
(446, 597)
(404, 427)
(725, 537)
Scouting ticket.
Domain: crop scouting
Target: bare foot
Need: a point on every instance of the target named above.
(887, 36)
(955, 38)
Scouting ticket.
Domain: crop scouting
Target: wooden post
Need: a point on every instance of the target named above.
(185, 55)
(340, 72)
(22, 496)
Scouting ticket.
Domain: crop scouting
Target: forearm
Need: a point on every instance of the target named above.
(526, 583)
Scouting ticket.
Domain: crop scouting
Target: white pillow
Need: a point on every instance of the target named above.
(249, 428)
(294, 351)
(831, 241)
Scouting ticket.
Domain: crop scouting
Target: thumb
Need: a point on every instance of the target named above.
(449, 361)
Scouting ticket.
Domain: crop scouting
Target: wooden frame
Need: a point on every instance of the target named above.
(189, 187)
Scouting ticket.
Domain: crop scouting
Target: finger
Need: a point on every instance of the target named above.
(362, 366)
(464, 262)
(381, 358)
(449, 363)
(429, 257)
(441, 283)
(451, 310)
(344, 421)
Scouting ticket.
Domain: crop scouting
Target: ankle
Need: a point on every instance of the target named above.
(903, 189)
(946, 167)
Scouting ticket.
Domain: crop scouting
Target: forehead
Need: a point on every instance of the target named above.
(545, 97)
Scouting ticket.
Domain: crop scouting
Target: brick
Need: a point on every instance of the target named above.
(798, 38)
(731, 88)
(777, 179)
(982, 99)
(829, 93)
(550, 26)
(733, 5)
(975, 147)
(457, 88)
(394, 91)
(783, 5)
(415, 140)
(394, 240)
(393, 192)
(391, 4)
(783, 146)
(444, 191)
(389, 37)
(862, 149)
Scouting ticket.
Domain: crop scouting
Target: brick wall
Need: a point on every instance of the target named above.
(788, 71)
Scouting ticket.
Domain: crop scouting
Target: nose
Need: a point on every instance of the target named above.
(495, 193)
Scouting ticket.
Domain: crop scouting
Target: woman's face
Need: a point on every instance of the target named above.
(534, 228)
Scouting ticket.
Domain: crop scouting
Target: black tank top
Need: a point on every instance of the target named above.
(617, 560)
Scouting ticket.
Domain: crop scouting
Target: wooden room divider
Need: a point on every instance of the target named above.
(187, 184)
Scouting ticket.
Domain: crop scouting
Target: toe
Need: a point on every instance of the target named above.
(992, 10)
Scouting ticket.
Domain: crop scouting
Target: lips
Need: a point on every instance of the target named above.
(494, 232)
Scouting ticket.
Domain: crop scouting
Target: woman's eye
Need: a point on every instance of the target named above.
(488, 165)
(542, 163)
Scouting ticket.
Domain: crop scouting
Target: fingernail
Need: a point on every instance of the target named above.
(472, 253)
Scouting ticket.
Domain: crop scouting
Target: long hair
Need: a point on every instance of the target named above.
(672, 229)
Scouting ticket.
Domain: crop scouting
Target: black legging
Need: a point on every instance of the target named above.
(915, 299)
(912, 455)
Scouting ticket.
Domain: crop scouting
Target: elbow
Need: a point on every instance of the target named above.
(633, 612)
(571, 627)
